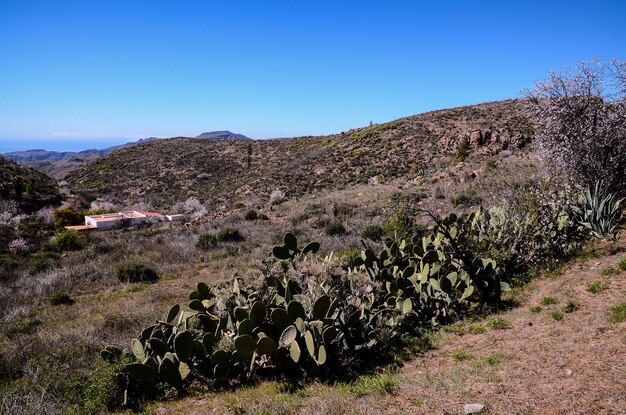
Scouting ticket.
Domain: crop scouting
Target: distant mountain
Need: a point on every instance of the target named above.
(40, 155)
(222, 136)
(58, 163)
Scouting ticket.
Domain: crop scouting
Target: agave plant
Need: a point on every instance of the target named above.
(599, 211)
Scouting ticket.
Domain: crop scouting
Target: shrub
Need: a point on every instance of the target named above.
(335, 228)
(251, 215)
(342, 210)
(401, 224)
(462, 150)
(68, 240)
(467, 199)
(206, 241)
(622, 265)
(67, 217)
(277, 197)
(134, 272)
(229, 235)
(348, 257)
(191, 207)
(60, 298)
(535, 309)
(373, 233)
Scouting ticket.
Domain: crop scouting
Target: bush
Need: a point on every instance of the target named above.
(467, 199)
(401, 224)
(373, 233)
(229, 235)
(251, 215)
(136, 273)
(462, 150)
(60, 298)
(68, 240)
(67, 217)
(348, 257)
(335, 228)
(206, 241)
(191, 207)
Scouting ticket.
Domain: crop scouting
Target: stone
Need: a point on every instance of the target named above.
(473, 408)
(476, 138)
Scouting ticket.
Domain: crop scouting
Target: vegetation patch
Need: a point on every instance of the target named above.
(229, 235)
(61, 298)
(596, 286)
(134, 272)
(617, 313)
(206, 241)
(499, 324)
(549, 301)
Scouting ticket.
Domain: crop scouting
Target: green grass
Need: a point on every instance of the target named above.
(535, 309)
(556, 274)
(609, 271)
(617, 314)
(570, 307)
(493, 359)
(460, 355)
(380, 384)
(596, 286)
(622, 265)
(557, 315)
(549, 301)
(499, 323)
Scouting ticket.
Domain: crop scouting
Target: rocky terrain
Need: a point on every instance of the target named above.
(221, 173)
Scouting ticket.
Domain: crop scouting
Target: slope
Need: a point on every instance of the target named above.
(220, 172)
(29, 188)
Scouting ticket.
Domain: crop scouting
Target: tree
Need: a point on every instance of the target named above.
(580, 114)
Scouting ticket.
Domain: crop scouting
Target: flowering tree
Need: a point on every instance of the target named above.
(581, 118)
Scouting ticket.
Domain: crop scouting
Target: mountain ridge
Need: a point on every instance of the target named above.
(220, 172)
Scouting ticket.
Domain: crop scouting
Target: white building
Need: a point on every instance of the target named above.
(122, 219)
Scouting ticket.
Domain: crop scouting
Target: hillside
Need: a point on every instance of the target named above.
(30, 189)
(164, 172)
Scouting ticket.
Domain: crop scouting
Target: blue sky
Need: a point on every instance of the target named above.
(84, 74)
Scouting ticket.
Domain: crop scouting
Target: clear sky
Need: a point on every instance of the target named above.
(84, 74)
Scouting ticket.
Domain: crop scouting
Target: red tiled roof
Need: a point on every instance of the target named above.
(108, 218)
(152, 214)
(80, 227)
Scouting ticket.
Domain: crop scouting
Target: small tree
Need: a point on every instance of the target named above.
(581, 122)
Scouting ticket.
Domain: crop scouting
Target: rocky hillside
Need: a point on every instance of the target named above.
(30, 189)
(220, 173)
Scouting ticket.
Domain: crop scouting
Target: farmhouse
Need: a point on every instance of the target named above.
(122, 219)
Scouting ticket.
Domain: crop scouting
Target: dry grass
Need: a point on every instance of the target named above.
(539, 366)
